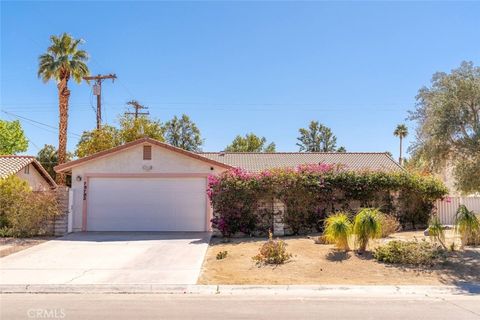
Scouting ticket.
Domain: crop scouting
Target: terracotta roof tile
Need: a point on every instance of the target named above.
(256, 162)
(11, 164)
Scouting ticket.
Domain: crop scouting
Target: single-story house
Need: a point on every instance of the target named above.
(147, 185)
(28, 169)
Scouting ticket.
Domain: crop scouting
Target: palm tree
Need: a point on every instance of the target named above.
(62, 61)
(401, 131)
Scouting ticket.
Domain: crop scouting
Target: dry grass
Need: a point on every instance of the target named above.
(321, 264)
(12, 245)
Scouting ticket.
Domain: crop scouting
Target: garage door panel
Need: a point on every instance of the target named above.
(146, 204)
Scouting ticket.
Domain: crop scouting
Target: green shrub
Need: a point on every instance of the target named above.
(222, 255)
(390, 224)
(338, 229)
(272, 252)
(409, 253)
(467, 224)
(23, 212)
(367, 225)
(436, 231)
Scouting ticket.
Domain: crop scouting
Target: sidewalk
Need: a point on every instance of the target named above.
(315, 290)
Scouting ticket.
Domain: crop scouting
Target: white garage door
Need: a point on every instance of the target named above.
(146, 204)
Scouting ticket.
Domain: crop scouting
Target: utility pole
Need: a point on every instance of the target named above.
(137, 106)
(97, 90)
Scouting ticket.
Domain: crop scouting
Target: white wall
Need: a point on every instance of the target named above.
(447, 208)
(131, 161)
(36, 181)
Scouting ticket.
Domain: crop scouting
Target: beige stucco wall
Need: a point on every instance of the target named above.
(36, 181)
(130, 161)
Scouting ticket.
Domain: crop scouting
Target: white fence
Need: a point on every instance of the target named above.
(447, 208)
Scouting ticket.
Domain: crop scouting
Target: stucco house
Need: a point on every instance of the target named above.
(147, 185)
(28, 169)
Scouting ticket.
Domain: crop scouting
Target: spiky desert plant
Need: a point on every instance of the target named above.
(338, 229)
(467, 224)
(367, 225)
(436, 231)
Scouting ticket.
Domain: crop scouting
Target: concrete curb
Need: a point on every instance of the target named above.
(294, 290)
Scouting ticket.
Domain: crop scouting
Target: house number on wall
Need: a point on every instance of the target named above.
(85, 190)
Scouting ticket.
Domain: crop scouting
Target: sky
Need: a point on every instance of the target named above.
(239, 67)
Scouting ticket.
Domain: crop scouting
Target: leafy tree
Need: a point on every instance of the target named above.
(107, 137)
(250, 143)
(342, 149)
(132, 128)
(48, 158)
(183, 133)
(98, 140)
(317, 138)
(448, 125)
(12, 137)
(401, 131)
(62, 61)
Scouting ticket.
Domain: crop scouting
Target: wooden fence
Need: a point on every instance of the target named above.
(447, 208)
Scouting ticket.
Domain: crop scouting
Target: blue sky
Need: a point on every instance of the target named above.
(238, 67)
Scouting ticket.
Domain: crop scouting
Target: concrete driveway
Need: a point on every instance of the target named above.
(109, 258)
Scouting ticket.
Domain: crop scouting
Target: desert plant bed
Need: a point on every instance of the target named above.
(313, 263)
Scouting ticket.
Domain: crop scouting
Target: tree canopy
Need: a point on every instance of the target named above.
(63, 60)
(12, 137)
(401, 131)
(98, 140)
(132, 128)
(48, 158)
(183, 133)
(317, 138)
(180, 132)
(448, 125)
(250, 143)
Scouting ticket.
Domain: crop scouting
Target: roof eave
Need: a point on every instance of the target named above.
(69, 165)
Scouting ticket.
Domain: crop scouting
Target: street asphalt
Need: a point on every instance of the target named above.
(212, 307)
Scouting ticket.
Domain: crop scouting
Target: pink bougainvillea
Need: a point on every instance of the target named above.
(309, 193)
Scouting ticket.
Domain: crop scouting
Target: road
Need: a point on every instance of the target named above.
(212, 307)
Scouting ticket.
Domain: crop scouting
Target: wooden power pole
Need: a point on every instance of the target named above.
(137, 106)
(97, 90)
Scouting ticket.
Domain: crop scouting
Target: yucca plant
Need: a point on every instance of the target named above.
(436, 231)
(467, 224)
(338, 229)
(367, 225)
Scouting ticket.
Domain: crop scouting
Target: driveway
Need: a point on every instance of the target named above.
(109, 258)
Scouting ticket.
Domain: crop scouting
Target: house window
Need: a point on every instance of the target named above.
(147, 152)
(27, 169)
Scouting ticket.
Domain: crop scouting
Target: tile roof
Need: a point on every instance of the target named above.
(11, 164)
(256, 162)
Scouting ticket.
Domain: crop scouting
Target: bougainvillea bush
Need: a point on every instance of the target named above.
(312, 192)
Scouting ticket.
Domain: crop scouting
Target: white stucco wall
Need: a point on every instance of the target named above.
(130, 161)
(36, 181)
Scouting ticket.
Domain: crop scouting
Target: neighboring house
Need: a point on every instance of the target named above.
(147, 185)
(27, 168)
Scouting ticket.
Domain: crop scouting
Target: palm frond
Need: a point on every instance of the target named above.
(63, 59)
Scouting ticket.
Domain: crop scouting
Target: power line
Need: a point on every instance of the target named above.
(40, 123)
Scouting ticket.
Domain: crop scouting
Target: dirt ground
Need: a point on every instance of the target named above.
(321, 264)
(12, 245)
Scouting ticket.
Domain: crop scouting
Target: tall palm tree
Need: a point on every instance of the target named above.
(62, 61)
(401, 131)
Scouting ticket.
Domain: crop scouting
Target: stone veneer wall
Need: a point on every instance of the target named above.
(59, 225)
